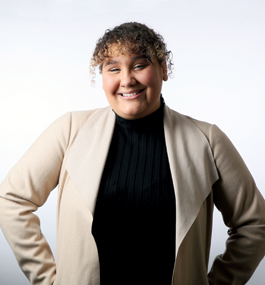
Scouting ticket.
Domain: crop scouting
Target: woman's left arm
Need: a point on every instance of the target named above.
(243, 210)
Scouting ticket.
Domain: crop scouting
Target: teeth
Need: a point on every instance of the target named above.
(129, 95)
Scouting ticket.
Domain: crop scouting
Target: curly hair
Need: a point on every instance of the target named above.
(132, 38)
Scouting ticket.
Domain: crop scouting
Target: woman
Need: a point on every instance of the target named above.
(137, 183)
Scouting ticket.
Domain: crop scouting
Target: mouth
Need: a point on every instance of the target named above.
(131, 94)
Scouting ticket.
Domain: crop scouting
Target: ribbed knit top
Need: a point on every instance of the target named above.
(134, 219)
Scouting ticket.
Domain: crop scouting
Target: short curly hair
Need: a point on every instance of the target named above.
(132, 38)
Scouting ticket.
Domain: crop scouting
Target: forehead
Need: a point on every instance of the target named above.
(123, 59)
(120, 51)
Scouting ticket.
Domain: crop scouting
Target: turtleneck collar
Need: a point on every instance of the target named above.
(150, 121)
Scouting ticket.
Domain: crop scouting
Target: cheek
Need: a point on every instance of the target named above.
(151, 78)
(109, 84)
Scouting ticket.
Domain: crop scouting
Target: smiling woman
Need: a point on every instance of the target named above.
(137, 183)
(134, 61)
(133, 84)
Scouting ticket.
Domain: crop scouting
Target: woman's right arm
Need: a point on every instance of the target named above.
(27, 187)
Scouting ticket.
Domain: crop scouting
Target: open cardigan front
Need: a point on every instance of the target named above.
(206, 170)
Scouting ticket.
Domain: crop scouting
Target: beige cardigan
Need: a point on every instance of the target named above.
(71, 153)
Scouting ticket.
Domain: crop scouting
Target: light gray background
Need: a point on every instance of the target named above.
(219, 55)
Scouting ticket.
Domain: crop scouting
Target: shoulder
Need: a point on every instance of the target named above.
(177, 119)
(79, 118)
(214, 135)
(74, 121)
(66, 128)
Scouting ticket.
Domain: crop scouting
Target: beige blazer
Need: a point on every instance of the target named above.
(71, 153)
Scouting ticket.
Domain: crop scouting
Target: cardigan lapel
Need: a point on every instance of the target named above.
(88, 154)
(192, 167)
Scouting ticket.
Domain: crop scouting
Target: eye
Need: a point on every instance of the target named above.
(114, 70)
(139, 66)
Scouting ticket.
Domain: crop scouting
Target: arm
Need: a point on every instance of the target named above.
(26, 188)
(243, 210)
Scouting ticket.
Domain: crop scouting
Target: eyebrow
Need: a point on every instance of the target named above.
(109, 62)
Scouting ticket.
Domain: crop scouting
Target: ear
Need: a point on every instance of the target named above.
(164, 70)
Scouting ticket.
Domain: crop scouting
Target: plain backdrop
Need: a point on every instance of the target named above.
(45, 50)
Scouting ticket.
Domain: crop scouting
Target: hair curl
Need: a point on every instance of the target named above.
(132, 38)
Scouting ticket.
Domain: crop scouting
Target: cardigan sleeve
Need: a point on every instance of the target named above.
(27, 187)
(243, 210)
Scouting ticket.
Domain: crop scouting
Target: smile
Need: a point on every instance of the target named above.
(131, 94)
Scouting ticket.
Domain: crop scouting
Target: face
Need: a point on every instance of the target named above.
(133, 85)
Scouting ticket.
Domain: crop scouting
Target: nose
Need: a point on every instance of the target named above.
(127, 79)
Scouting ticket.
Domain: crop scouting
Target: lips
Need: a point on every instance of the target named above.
(131, 94)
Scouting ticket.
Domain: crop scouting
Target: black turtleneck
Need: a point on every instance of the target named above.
(134, 220)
